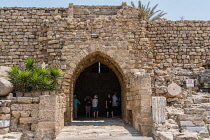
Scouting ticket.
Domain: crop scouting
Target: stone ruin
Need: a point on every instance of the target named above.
(147, 57)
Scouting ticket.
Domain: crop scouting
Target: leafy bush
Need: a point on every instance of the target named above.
(34, 78)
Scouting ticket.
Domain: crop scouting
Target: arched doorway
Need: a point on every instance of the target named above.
(81, 66)
(97, 79)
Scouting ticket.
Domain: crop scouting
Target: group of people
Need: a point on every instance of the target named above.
(112, 103)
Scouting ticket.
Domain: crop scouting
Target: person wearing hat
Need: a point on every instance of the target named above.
(95, 106)
(76, 103)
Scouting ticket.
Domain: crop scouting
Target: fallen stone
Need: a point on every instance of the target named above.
(186, 123)
(3, 71)
(204, 134)
(196, 129)
(186, 136)
(5, 87)
(174, 90)
(165, 136)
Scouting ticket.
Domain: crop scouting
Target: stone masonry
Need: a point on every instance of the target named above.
(145, 56)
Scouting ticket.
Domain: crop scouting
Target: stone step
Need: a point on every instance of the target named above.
(11, 136)
(109, 128)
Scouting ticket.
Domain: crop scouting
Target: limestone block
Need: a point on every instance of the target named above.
(165, 135)
(30, 106)
(5, 103)
(3, 70)
(28, 120)
(24, 100)
(198, 123)
(4, 116)
(186, 123)
(4, 123)
(45, 133)
(4, 110)
(174, 90)
(204, 134)
(194, 111)
(3, 131)
(16, 107)
(189, 117)
(46, 125)
(16, 114)
(196, 128)
(5, 87)
(186, 136)
(158, 109)
(25, 113)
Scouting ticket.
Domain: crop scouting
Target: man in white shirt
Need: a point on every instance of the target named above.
(95, 106)
(115, 102)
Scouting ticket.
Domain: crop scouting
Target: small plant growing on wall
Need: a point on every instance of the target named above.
(34, 78)
(200, 138)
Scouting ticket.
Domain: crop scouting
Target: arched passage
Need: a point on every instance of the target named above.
(85, 63)
(97, 79)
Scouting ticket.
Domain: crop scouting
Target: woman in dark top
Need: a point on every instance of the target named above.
(88, 103)
(109, 108)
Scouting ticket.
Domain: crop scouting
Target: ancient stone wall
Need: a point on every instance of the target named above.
(5, 116)
(24, 115)
(139, 102)
(36, 117)
(21, 30)
(62, 37)
(51, 116)
(183, 44)
(94, 11)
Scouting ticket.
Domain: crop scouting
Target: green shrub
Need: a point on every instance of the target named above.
(34, 78)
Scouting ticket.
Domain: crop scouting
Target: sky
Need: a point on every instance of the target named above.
(175, 9)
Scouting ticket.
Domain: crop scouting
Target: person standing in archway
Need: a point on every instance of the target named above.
(88, 101)
(115, 102)
(76, 103)
(109, 106)
(95, 106)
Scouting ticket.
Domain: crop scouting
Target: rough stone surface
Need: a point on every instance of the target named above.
(5, 87)
(99, 129)
(3, 71)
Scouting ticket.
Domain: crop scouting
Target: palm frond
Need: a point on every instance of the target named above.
(149, 13)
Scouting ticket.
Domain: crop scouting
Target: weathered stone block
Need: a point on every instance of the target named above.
(5, 87)
(3, 131)
(16, 107)
(186, 123)
(24, 100)
(16, 114)
(158, 109)
(4, 123)
(165, 135)
(25, 113)
(30, 106)
(196, 129)
(28, 120)
(4, 110)
(46, 125)
(186, 136)
(4, 116)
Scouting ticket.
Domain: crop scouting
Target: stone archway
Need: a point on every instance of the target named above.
(97, 79)
(86, 62)
(135, 91)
